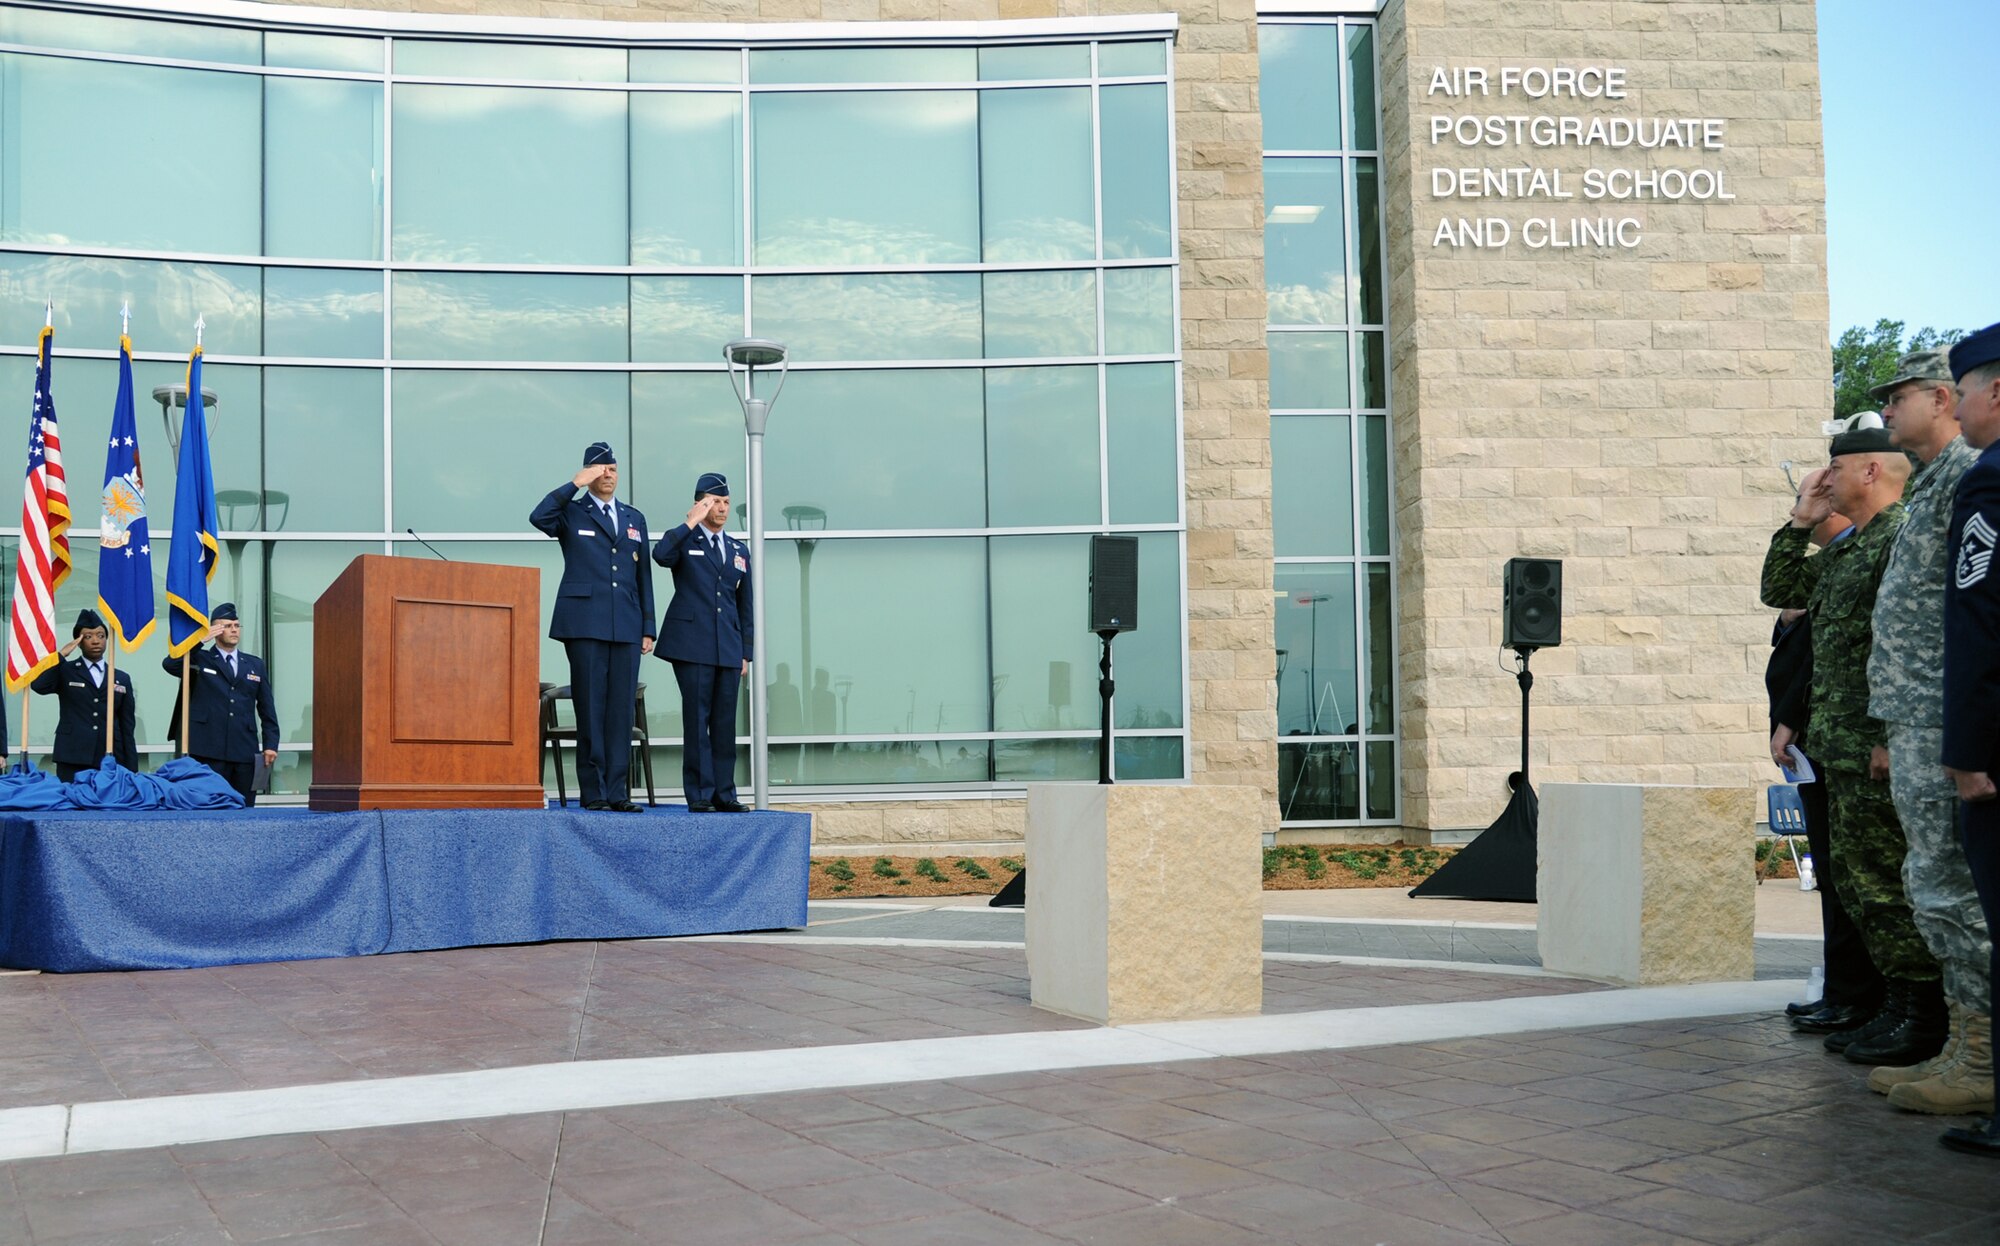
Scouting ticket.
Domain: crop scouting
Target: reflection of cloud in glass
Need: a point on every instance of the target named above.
(509, 316)
(838, 240)
(1139, 239)
(1041, 238)
(1040, 314)
(166, 298)
(1311, 304)
(863, 317)
(676, 319)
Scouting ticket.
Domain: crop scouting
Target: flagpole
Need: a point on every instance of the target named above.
(110, 706)
(27, 695)
(187, 661)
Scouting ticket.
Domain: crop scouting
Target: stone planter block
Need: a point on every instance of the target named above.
(1145, 903)
(1646, 884)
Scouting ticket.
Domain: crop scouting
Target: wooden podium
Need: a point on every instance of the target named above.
(426, 687)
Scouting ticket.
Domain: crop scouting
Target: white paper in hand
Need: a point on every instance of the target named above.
(1799, 770)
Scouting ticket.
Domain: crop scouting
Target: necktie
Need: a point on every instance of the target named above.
(232, 666)
(97, 674)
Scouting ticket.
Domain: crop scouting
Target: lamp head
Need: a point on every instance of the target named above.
(754, 352)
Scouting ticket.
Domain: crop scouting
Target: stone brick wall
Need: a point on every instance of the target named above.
(1232, 666)
(1623, 410)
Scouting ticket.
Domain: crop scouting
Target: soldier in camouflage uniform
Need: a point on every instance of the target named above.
(1906, 692)
(1864, 480)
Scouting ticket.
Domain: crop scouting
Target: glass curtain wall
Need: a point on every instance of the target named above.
(1332, 511)
(432, 270)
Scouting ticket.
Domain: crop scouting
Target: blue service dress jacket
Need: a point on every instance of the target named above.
(226, 713)
(708, 621)
(607, 585)
(80, 729)
(1972, 621)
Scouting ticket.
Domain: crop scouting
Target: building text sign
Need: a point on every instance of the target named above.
(1584, 206)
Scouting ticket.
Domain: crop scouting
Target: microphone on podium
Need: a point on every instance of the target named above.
(426, 544)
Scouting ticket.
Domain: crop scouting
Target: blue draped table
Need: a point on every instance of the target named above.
(177, 890)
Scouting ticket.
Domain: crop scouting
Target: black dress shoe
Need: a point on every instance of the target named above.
(627, 806)
(731, 806)
(694, 807)
(597, 806)
(1982, 1139)
(1832, 1019)
(1805, 1009)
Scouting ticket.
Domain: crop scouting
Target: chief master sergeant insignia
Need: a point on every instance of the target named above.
(1975, 550)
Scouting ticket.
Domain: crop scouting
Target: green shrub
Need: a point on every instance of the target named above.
(927, 868)
(883, 869)
(971, 869)
(838, 868)
(1010, 864)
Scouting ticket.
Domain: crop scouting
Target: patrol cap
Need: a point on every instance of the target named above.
(85, 620)
(712, 482)
(224, 613)
(1975, 350)
(1918, 365)
(1863, 441)
(599, 452)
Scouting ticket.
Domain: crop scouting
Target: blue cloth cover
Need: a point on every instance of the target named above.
(158, 890)
(188, 784)
(29, 788)
(182, 783)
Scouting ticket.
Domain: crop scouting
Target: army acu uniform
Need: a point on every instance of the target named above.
(1838, 588)
(1906, 692)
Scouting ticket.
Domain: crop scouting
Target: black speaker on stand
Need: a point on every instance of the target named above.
(1500, 863)
(1114, 608)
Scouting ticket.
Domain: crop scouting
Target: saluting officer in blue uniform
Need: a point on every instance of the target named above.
(604, 617)
(78, 686)
(229, 698)
(1972, 654)
(706, 636)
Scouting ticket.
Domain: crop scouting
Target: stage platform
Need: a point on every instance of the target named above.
(176, 890)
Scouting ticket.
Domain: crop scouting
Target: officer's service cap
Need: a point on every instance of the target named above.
(223, 613)
(85, 620)
(1862, 441)
(1975, 350)
(1918, 365)
(599, 452)
(712, 482)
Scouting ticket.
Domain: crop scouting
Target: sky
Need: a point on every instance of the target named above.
(1912, 168)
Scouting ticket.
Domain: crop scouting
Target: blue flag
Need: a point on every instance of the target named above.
(125, 563)
(191, 559)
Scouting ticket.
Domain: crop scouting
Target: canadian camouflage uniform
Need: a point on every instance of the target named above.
(1906, 692)
(1838, 588)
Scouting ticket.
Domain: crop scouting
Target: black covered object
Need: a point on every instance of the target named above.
(1014, 895)
(1498, 865)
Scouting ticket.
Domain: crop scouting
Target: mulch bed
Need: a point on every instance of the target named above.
(1288, 867)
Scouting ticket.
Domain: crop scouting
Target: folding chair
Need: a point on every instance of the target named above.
(1786, 814)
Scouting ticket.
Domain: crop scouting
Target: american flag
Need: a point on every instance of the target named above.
(44, 557)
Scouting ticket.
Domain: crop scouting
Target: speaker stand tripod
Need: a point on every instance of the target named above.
(1104, 687)
(1526, 678)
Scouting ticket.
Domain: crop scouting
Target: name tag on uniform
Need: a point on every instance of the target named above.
(698, 552)
(76, 683)
(208, 670)
(739, 563)
(586, 532)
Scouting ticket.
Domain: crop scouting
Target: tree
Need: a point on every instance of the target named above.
(1864, 358)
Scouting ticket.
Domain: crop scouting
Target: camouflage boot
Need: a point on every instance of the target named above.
(1884, 1079)
(1964, 1087)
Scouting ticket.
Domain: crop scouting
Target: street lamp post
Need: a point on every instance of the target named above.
(806, 519)
(173, 397)
(744, 356)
